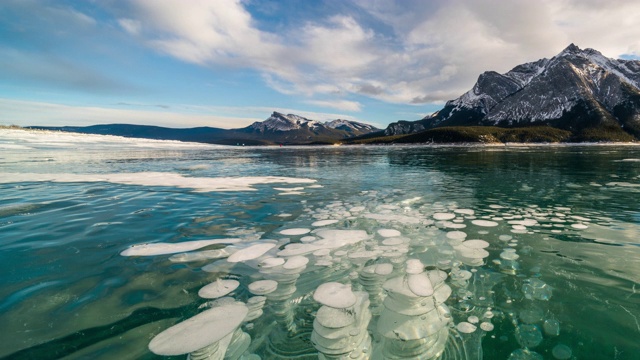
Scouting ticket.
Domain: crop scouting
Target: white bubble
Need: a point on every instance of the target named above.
(484, 223)
(465, 327)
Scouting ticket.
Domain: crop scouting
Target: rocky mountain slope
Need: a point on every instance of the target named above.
(582, 91)
(277, 129)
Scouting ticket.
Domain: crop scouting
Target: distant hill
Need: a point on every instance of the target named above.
(593, 97)
(277, 129)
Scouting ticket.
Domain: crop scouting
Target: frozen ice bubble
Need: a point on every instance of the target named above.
(551, 327)
(536, 289)
(151, 249)
(384, 269)
(476, 244)
(561, 352)
(263, 287)
(486, 326)
(335, 295)
(456, 235)
(271, 262)
(295, 262)
(251, 252)
(206, 328)
(295, 231)
(465, 327)
(420, 284)
(218, 288)
(473, 319)
(484, 223)
(524, 354)
(579, 226)
(414, 266)
(389, 232)
(464, 211)
(324, 223)
(528, 335)
(444, 216)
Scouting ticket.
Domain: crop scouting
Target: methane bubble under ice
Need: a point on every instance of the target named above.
(380, 276)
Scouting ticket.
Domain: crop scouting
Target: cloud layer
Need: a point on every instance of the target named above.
(407, 51)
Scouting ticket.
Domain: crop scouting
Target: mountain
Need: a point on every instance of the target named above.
(294, 129)
(582, 91)
(277, 129)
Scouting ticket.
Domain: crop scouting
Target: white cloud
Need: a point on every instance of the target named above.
(344, 105)
(31, 113)
(434, 51)
(131, 26)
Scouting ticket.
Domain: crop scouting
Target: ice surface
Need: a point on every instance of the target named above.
(152, 249)
(201, 184)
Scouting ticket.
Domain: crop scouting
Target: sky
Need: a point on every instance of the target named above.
(228, 63)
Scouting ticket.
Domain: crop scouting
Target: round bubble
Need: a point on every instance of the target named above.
(561, 352)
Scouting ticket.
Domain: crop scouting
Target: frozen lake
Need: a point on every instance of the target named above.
(519, 252)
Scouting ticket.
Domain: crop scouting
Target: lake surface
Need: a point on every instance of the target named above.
(556, 275)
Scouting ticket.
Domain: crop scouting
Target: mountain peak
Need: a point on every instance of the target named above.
(571, 49)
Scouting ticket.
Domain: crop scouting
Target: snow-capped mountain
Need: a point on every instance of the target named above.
(577, 90)
(349, 126)
(282, 122)
(277, 129)
(290, 128)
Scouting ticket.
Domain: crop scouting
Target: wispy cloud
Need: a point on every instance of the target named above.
(433, 52)
(344, 105)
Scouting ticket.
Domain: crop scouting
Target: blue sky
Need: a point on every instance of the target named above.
(227, 63)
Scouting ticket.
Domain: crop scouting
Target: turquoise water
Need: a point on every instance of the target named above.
(67, 292)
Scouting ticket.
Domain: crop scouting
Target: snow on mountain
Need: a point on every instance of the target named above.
(282, 122)
(573, 90)
(350, 126)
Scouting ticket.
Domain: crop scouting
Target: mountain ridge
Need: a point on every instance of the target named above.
(277, 129)
(577, 90)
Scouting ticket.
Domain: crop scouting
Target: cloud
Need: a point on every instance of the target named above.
(403, 51)
(26, 113)
(344, 105)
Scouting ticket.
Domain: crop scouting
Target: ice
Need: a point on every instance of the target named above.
(335, 295)
(206, 328)
(464, 211)
(160, 248)
(263, 287)
(202, 255)
(486, 326)
(324, 223)
(484, 223)
(420, 284)
(295, 262)
(414, 266)
(465, 327)
(251, 252)
(295, 231)
(561, 352)
(444, 216)
(271, 262)
(218, 288)
(201, 184)
(389, 233)
(579, 226)
(528, 335)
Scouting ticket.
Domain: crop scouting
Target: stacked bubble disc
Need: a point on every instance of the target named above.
(340, 326)
(372, 277)
(414, 322)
